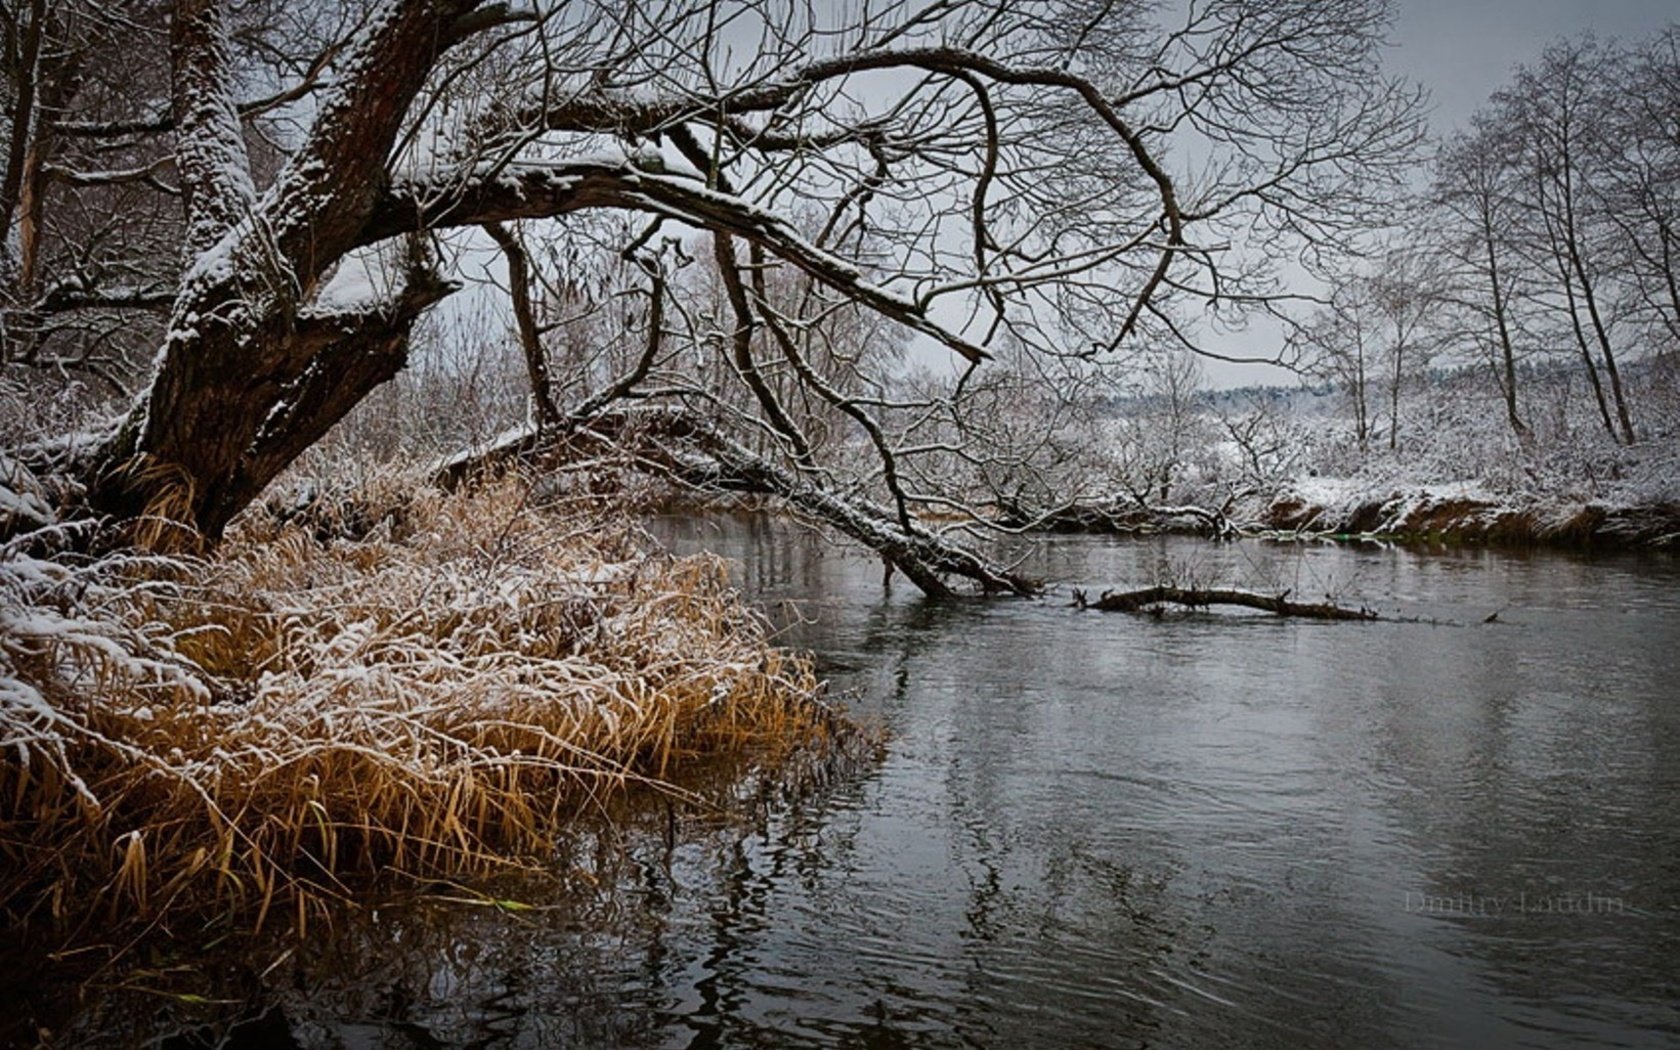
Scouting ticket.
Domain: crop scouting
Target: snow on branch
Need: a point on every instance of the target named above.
(547, 189)
(210, 152)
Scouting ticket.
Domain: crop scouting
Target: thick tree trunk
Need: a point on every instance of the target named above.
(251, 371)
(221, 423)
(22, 118)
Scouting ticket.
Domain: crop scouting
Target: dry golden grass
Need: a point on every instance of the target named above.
(245, 733)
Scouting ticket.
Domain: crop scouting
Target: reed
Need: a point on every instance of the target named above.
(252, 732)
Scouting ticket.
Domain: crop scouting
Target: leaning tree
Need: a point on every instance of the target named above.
(1075, 176)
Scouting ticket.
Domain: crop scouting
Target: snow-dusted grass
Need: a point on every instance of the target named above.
(244, 733)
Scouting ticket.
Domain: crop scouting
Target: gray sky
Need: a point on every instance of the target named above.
(1463, 50)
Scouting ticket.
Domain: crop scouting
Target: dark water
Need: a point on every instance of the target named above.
(1093, 830)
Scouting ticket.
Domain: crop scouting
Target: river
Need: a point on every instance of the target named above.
(1100, 830)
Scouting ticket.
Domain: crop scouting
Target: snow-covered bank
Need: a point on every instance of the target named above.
(439, 695)
(1345, 508)
(1624, 497)
(1465, 513)
(1453, 470)
(1615, 497)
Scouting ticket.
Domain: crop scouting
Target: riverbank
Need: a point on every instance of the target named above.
(1465, 513)
(251, 734)
(1631, 501)
(1346, 509)
(1451, 484)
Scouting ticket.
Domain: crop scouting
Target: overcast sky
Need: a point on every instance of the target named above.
(1462, 50)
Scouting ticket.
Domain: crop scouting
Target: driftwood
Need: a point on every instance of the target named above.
(1204, 597)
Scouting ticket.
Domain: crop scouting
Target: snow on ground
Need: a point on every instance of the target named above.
(23, 500)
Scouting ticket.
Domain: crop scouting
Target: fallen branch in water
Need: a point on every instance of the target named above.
(1201, 598)
(694, 452)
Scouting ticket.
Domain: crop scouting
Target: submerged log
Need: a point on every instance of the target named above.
(1205, 597)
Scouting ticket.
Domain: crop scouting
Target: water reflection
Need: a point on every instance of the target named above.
(1089, 830)
(1286, 786)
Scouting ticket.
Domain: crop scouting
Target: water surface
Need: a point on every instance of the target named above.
(1090, 830)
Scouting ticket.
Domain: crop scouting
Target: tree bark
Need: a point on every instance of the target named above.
(244, 353)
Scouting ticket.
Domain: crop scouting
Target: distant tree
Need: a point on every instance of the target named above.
(1403, 293)
(1638, 182)
(1375, 335)
(1338, 344)
(1475, 196)
(1558, 113)
(1267, 443)
(1557, 213)
(1161, 438)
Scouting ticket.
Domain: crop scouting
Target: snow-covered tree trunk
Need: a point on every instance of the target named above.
(255, 367)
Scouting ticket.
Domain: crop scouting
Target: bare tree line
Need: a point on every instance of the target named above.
(1548, 235)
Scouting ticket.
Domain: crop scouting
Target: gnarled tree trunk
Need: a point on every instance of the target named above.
(254, 367)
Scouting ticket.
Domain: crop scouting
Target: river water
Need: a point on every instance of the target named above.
(1099, 830)
(1211, 830)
